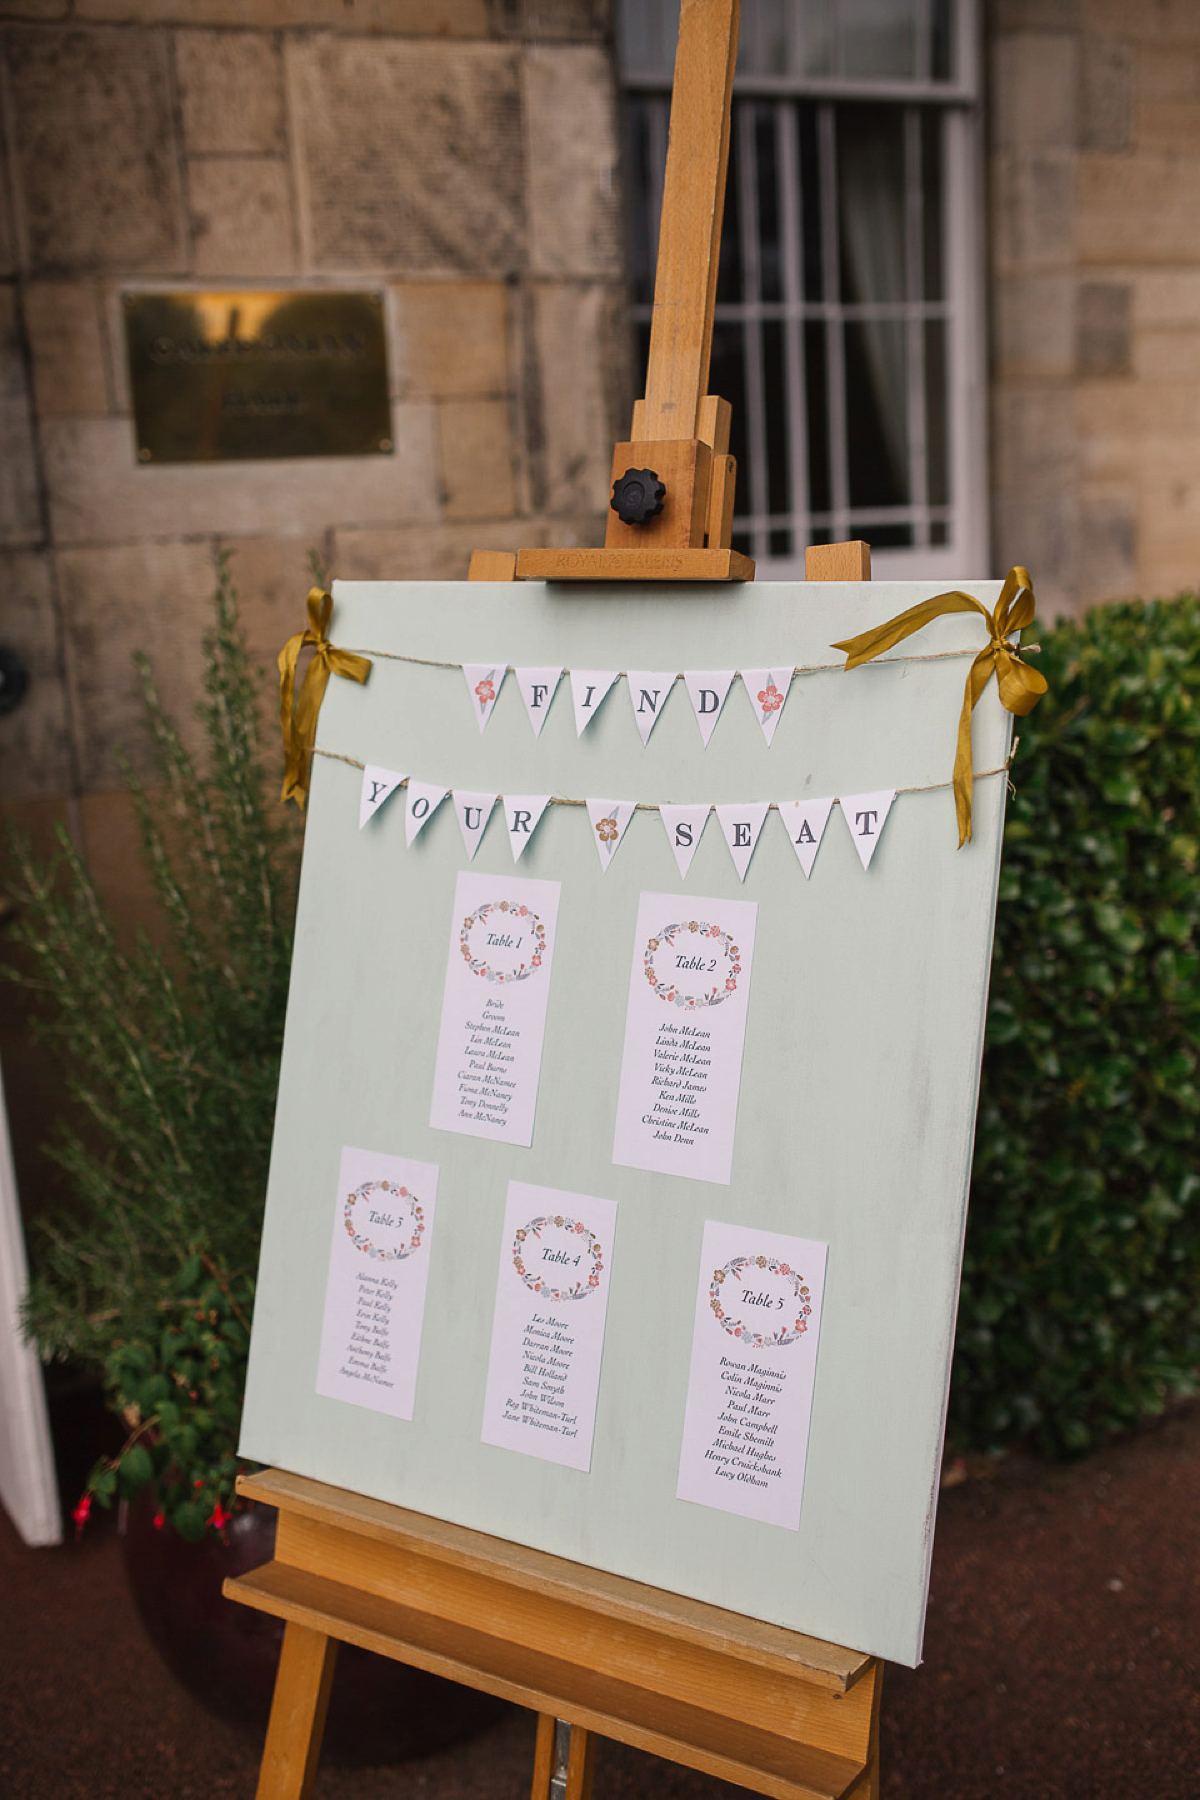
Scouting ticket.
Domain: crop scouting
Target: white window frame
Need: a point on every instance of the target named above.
(966, 554)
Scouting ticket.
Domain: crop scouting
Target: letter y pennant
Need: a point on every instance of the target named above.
(378, 785)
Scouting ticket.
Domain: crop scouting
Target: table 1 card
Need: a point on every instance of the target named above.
(378, 1269)
(489, 1055)
(681, 1070)
(750, 1387)
(548, 1328)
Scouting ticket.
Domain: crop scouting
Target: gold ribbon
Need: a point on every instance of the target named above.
(298, 715)
(1020, 686)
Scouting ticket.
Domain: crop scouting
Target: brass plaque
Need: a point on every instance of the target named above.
(221, 376)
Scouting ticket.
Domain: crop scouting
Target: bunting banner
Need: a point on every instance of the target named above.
(610, 819)
(805, 822)
(707, 689)
(866, 815)
(767, 690)
(741, 824)
(484, 681)
(423, 801)
(588, 689)
(474, 811)
(683, 825)
(522, 816)
(378, 785)
(537, 691)
(648, 693)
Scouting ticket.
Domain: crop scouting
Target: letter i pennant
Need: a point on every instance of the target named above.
(474, 811)
(741, 824)
(588, 688)
(377, 786)
(609, 819)
(865, 815)
(484, 681)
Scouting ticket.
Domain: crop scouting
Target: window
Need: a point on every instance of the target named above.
(848, 332)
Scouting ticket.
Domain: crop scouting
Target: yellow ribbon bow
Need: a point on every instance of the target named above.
(298, 717)
(1020, 686)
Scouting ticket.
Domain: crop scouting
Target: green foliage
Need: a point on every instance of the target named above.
(171, 1056)
(1080, 1310)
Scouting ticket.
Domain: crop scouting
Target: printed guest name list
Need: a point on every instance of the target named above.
(685, 1027)
(489, 1054)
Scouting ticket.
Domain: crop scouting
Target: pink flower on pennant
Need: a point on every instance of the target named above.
(606, 831)
(485, 691)
(770, 698)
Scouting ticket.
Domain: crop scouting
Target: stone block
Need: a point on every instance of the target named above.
(1108, 542)
(93, 149)
(1106, 95)
(1166, 297)
(1171, 355)
(152, 597)
(272, 577)
(1139, 209)
(409, 155)
(1168, 97)
(63, 323)
(20, 506)
(241, 210)
(1108, 418)
(1164, 21)
(450, 339)
(477, 459)
(443, 552)
(100, 494)
(1033, 212)
(572, 183)
(1031, 15)
(576, 393)
(1035, 91)
(1104, 326)
(1034, 438)
(35, 747)
(403, 18)
(1033, 324)
(544, 21)
(230, 92)
(1041, 530)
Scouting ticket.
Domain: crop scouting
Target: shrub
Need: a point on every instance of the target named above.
(1080, 1310)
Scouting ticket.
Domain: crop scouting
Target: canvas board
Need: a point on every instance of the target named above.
(859, 1072)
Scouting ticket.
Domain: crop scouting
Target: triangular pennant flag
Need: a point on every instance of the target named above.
(648, 692)
(707, 689)
(484, 681)
(474, 811)
(684, 825)
(522, 814)
(588, 688)
(609, 819)
(377, 786)
(537, 691)
(866, 815)
(423, 801)
(805, 822)
(767, 690)
(741, 824)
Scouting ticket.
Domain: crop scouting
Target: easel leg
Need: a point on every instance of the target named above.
(297, 1724)
(564, 1760)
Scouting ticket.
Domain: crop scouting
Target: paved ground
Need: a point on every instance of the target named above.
(1062, 1663)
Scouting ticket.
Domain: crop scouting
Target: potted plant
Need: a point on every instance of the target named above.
(170, 1052)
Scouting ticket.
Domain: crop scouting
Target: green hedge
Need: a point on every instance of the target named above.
(1080, 1309)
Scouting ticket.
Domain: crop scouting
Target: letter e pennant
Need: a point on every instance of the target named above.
(741, 824)
(609, 819)
(865, 815)
(423, 801)
(648, 692)
(707, 689)
(684, 825)
(522, 815)
(588, 688)
(805, 822)
(377, 786)
(474, 811)
(537, 691)
(484, 681)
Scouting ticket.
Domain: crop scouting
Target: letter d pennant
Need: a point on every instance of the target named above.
(865, 815)
(707, 689)
(377, 786)
(474, 811)
(740, 825)
(609, 819)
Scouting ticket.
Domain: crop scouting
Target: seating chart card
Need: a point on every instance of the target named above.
(548, 1327)
(378, 1268)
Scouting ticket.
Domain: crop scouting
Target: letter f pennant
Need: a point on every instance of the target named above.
(522, 815)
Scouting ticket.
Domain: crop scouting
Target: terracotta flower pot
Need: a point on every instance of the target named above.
(225, 1654)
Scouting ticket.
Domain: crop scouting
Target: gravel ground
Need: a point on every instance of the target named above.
(1062, 1662)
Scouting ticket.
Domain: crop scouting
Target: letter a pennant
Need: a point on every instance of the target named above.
(378, 785)
(683, 825)
(423, 801)
(537, 691)
(648, 692)
(609, 819)
(484, 681)
(474, 811)
(707, 689)
(805, 822)
(741, 824)
(522, 815)
(865, 815)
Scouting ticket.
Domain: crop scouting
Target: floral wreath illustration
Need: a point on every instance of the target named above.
(362, 1242)
(761, 1340)
(713, 935)
(585, 1286)
(479, 965)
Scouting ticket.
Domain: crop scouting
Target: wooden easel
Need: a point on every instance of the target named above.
(592, 1654)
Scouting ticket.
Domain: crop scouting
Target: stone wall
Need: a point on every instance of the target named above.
(457, 154)
(1095, 294)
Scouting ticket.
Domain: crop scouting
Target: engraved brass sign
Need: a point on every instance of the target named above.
(219, 376)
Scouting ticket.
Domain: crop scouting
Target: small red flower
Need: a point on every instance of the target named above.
(81, 1513)
(770, 698)
(219, 1517)
(606, 831)
(160, 1519)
